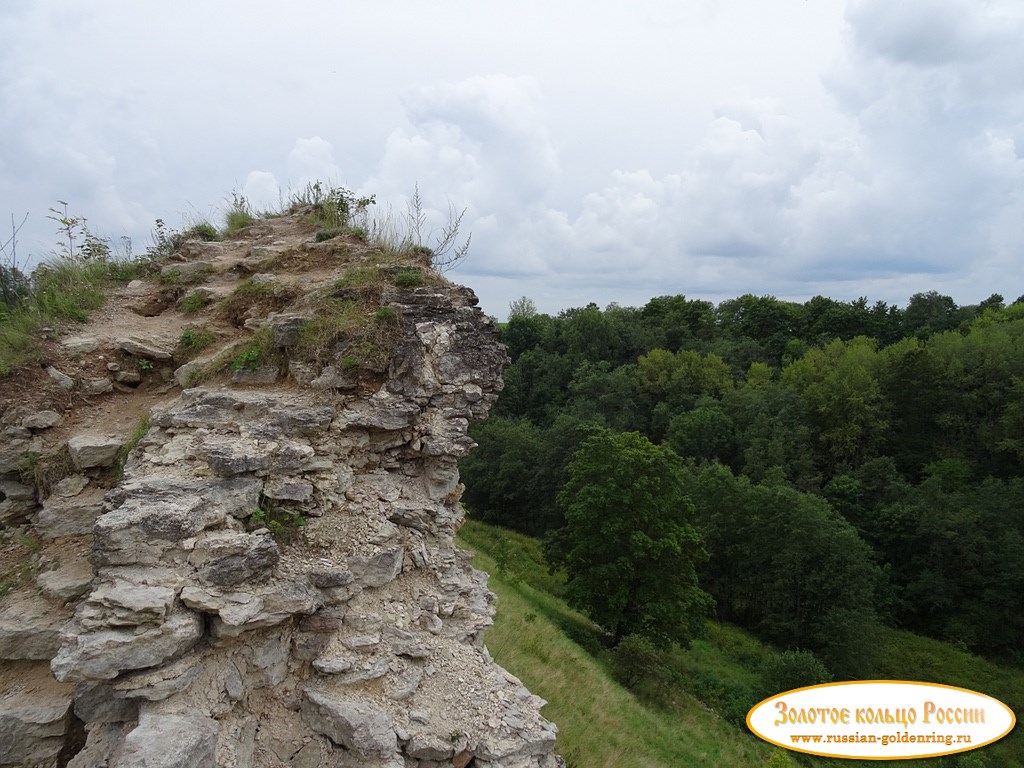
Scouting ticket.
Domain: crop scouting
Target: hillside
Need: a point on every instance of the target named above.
(683, 707)
(229, 500)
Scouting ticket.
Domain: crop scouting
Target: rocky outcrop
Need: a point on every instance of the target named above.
(274, 580)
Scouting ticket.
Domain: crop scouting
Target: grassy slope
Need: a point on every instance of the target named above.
(603, 725)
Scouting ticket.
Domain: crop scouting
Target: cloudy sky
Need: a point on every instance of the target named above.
(603, 151)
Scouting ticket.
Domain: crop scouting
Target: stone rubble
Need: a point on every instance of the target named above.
(274, 580)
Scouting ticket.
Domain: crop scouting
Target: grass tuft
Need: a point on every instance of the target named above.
(238, 216)
(193, 341)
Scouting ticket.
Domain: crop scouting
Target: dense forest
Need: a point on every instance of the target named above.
(809, 472)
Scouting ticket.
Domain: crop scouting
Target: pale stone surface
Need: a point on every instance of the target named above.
(70, 515)
(33, 728)
(341, 642)
(171, 741)
(68, 582)
(355, 725)
(144, 348)
(42, 420)
(63, 380)
(93, 450)
(102, 655)
(30, 629)
(80, 344)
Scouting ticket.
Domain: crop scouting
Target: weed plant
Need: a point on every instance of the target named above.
(193, 341)
(284, 525)
(194, 302)
(238, 217)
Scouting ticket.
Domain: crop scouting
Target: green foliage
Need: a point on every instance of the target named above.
(386, 315)
(62, 289)
(238, 216)
(194, 302)
(515, 475)
(637, 660)
(844, 399)
(784, 564)
(333, 208)
(248, 360)
(707, 689)
(600, 722)
(409, 277)
(195, 340)
(284, 525)
(328, 234)
(788, 670)
(202, 230)
(122, 455)
(628, 547)
(521, 308)
(780, 759)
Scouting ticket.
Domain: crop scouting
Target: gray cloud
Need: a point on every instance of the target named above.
(602, 151)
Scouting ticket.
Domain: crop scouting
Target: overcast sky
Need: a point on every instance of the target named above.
(605, 152)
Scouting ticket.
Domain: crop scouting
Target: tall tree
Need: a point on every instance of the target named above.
(628, 547)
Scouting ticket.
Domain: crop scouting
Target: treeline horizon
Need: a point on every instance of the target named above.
(850, 464)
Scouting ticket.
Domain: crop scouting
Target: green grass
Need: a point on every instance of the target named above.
(63, 290)
(689, 711)
(601, 724)
(238, 216)
(409, 277)
(264, 296)
(194, 302)
(176, 277)
(202, 230)
(122, 455)
(193, 341)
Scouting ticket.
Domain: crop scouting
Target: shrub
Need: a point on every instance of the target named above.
(332, 207)
(328, 234)
(636, 659)
(788, 670)
(248, 360)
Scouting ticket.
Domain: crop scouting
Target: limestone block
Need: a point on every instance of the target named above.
(68, 582)
(352, 724)
(33, 728)
(93, 450)
(104, 654)
(228, 558)
(30, 629)
(144, 348)
(42, 420)
(70, 516)
(79, 345)
(171, 741)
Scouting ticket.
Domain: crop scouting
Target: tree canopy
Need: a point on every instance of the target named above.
(628, 545)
